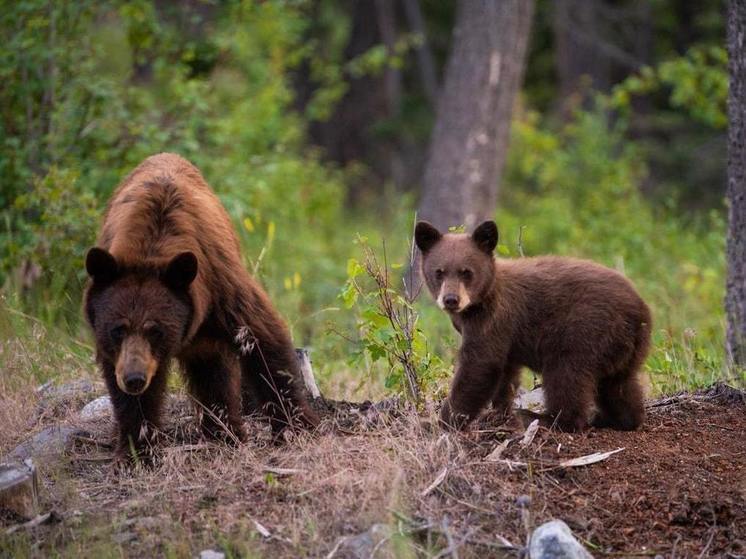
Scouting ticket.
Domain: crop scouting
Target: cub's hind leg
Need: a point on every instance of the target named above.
(620, 402)
(569, 393)
(621, 398)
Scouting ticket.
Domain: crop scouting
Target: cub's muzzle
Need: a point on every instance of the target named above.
(450, 301)
(453, 297)
(136, 366)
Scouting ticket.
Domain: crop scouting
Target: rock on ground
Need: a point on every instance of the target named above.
(554, 540)
(96, 409)
(47, 443)
(363, 545)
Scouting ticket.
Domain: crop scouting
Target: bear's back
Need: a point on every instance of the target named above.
(165, 207)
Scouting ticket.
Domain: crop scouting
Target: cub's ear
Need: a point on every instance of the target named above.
(485, 236)
(425, 235)
(101, 265)
(181, 271)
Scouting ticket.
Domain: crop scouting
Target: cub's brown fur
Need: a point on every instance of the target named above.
(579, 324)
(166, 281)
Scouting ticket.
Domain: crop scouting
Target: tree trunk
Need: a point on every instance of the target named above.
(735, 297)
(425, 60)
(581, 66)
(470, 138)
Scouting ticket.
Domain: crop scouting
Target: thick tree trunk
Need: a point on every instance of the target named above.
(735, 297)
(470, 138)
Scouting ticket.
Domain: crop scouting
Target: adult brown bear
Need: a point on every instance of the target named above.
(579, 324)
(166, 281)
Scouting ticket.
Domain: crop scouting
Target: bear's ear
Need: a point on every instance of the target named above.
(426, 236)
(485, 236)
(181, 271)
(101, 265)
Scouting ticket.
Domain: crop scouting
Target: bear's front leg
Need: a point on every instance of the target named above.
(215, 382)
(137, 417)
(473, 387)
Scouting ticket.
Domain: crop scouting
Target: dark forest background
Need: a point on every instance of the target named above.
(595, 129)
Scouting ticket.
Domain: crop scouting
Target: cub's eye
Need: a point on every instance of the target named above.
(465, 274)
(117, 333)
(439, 274)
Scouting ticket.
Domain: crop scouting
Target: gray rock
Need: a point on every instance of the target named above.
(530, 400)
(210, 554)
(19, 488)
(67, 390)
(47, 443)
(554, 540)
(97, 409)
(58, 400)
(363, 546)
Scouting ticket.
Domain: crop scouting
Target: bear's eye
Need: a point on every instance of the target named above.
(465, 274)
(439, 274)
(117, 333)
(153, 331)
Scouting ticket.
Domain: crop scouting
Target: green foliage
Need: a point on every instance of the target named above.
(129, 82)
(92, 88)
(697, 83)
(56, 219)
(389, 329)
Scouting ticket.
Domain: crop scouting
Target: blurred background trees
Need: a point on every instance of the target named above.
(313, 120)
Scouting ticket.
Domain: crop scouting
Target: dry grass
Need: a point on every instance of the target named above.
(361, 468)
(435, 492)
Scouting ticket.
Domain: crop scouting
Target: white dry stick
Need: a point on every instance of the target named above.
(588, 459)
(436, 482)
(262, 529)
(497, 453)
(307, 372)
(511, 463)
(281, 471)
(530, 433)
(503, 541)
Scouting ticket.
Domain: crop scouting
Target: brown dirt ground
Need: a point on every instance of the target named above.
(678, 488)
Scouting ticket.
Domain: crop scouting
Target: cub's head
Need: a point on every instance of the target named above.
(458, 269)
(139, 317)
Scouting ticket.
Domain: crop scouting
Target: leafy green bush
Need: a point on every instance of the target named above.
(232, 118)
(389, 328)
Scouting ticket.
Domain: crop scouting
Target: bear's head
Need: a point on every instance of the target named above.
(139, 317)
(459, 269)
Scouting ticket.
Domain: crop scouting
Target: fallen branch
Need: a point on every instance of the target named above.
(436, 482)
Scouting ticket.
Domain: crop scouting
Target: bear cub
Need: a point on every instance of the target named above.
(582, 326)
(167, 283)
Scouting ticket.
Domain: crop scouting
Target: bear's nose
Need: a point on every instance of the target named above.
(450, 301)
(134, 383)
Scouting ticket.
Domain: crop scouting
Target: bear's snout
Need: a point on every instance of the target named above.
(453, 296)
(134, 383)
(451, 301)
(136, 366)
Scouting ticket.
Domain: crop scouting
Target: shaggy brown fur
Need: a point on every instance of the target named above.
(579, 324)
(167, 282)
